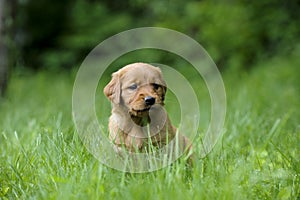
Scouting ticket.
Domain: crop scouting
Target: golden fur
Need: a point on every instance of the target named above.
(131, 91)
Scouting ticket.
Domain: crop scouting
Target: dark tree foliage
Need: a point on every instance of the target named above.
(42, 22)
(59, 34)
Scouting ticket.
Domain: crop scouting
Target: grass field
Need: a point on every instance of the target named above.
(42, 157)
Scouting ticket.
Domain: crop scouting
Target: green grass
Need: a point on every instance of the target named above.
(42, 157)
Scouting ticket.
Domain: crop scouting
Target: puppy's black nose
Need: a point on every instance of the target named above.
(149, 101)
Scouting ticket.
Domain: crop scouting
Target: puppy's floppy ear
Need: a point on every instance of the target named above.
(163, 85)
(164, 88)
(161, 81)
(113, 89)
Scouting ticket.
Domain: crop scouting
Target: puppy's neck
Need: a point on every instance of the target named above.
(127, 120)
(143, 120)
(139, 124)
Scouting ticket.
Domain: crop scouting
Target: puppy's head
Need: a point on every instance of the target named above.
(137, 87)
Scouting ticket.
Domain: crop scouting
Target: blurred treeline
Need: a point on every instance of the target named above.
(55, 34)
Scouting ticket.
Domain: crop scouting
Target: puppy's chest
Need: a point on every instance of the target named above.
(138, 136)
(142, 136)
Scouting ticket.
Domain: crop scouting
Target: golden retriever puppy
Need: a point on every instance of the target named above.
(137, 92)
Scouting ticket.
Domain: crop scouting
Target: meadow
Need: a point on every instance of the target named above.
(42, 156)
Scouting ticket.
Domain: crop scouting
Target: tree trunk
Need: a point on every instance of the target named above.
(3, 49)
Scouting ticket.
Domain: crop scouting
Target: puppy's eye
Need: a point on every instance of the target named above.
(155, 86)
(133, 87)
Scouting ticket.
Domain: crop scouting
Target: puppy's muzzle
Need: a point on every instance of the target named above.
(149, 101)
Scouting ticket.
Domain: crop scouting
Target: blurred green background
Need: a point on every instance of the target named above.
(56, 35)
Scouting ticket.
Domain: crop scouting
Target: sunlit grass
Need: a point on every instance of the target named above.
(42, 157)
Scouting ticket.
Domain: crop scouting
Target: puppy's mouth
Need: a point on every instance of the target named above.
(144, 110)
(140, 112)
